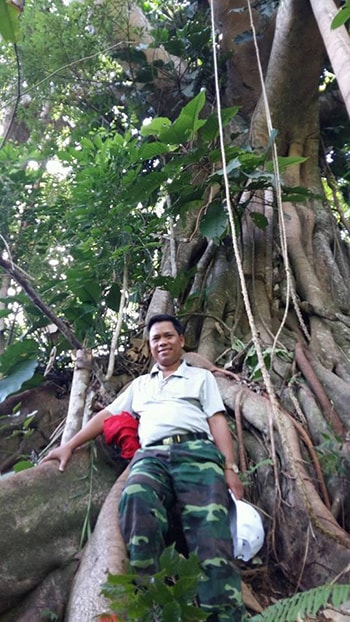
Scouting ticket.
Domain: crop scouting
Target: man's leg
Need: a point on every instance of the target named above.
(143, 513)
(202, 499)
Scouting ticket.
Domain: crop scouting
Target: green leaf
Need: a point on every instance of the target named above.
(144, 187)
(169, 560)
(214, 223)
(296, 194)
(9, 24)
(191, 111)
(284, 161)
(341, 18)
(187, 122)
(210, 129)
(180, 131)
(172, 612)
(175, 285)
(23, 465)
(148, 151)
(113, 297)
(295, 607)
(20, 374)
(176, 47)
(86, 289)
(156, 126)
(17, 353)
(259, 220)
(186, 588)
(89, 292)
(5, 312)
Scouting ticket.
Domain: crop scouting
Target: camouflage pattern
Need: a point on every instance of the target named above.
(190, 477)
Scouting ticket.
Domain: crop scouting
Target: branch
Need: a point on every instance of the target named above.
(18, 97)
(17, 275)
(80, 383)
(337, 44)
(119, 323)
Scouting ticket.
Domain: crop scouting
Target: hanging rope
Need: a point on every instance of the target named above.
(255, 337)
(275, 415)
(290, 293)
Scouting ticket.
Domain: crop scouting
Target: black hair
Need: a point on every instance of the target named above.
(165, 317)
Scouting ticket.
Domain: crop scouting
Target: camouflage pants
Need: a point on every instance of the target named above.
(189, 475)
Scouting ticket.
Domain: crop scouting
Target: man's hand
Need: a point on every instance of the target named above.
(62, 454)
(234, 483)
(93, 428)
(223, 440)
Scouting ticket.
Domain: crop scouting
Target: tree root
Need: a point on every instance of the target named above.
(315, 461)
(105, 553)
(328, 410)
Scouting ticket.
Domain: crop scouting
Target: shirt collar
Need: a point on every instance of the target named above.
(180, 371)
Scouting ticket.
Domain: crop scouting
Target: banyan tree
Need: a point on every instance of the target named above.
(173, 157)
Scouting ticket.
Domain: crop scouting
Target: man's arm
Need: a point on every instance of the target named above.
(223, 440)
(93, 428)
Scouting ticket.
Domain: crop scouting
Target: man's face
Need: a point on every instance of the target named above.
(166, 345)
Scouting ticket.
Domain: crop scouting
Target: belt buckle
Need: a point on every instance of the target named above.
(168, 441)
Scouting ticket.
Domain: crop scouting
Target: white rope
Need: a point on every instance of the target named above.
(255, 337)
(290, 292)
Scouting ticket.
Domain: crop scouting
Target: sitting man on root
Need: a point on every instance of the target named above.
(186, 460)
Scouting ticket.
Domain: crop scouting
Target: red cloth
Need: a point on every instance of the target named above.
(122, 429)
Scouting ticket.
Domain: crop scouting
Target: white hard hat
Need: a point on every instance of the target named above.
(246, 528)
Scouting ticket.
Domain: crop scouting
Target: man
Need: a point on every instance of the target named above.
(186, 460)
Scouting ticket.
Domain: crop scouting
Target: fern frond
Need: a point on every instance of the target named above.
(305, 603)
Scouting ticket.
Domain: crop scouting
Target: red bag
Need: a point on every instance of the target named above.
(122, 429)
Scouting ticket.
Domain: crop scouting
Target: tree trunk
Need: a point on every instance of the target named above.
(80, 384)
(105, 553)
(337, 44)
(4, 287)
(50, 509)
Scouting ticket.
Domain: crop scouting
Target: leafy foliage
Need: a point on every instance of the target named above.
(334, 457)
(249, 359)
(166, 596)
(9, 26)
(110, 203)
(94, 185)
(306, 603)
(342, 16)
(100, 175)
(21, 373)
(169, 595)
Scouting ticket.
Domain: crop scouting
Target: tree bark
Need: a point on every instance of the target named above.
(337, 44)
(105, 553)
(80, 385)
(281, 447)
(49, 509)
(19, 276)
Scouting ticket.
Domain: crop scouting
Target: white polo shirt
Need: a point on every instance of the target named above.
(183, 402)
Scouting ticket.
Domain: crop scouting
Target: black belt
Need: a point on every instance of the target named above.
(179, 438)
